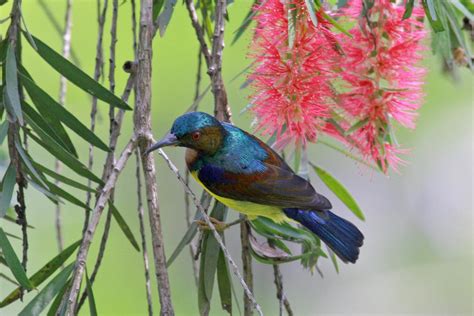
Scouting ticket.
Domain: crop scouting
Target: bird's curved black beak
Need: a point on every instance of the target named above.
(169, 140)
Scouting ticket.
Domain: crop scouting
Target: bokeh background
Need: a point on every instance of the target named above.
(418, 251)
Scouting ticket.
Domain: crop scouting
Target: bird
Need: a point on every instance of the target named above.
(245, 174)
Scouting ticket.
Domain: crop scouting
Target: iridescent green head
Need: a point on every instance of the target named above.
(196, 130)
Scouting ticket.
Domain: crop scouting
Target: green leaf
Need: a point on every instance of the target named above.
(54, 189)
(333, 259)
(339, 190)
(224, 283)
(165, 16)
(246, 22)
(63, 179)
(58, 152)
(3, 131)
(433, 18)
(53, 310)
(279, 244)
(124, 226)
(77, 76)
(54, 111)
(2, 2)
(27, 162)
(8, 184)
(46, 295)
(90, 296)
(208, 263)
(48, 125)
(45, 272)
(310, 5)
(356, 126)
(463, 9)
(291, 12)
(408, 9)
(283, 230)
(157, 6)
(456, 29)
(12, 100)
(192, 229)
(13, 262)
(336, 24)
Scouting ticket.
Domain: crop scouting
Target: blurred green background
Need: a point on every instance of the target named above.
(418, 252)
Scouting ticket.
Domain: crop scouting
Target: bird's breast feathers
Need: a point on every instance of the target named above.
(252, 210)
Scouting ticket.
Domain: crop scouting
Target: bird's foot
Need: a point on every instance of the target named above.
(220, 226)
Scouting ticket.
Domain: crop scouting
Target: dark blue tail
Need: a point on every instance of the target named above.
(340, 235)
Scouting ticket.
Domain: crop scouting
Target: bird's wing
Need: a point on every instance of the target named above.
(275, 186)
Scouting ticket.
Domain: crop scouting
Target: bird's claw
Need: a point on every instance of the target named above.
(220, 226)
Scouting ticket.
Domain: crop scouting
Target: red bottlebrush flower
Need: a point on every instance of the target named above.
(291, 90)
(383, 79)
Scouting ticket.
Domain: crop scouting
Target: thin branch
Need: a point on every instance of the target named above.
(142, 127)
(246, 265)
(211, 226)
(192, 247)
(62, 100)
(92, 226)
(97, 72)
(14, 41)
(283, 300)
(141, 215)
(199, 31)
(221, 105)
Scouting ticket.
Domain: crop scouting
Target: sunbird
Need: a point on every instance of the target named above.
(247, 175)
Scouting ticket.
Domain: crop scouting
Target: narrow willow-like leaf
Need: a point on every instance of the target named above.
(6, 277)
(356, 126)
(433, 18)
(283, 230)
(46, 295)
(208, 263)
(339, 190)
(333, 259)
(291, 12)
(8, 184)
(165, 16)
(77, 76)
(44, 131)
(408, 9)
(53, 309)
(11, 85)
(51, 146)
(192, 229)
(157, 6)
(45, 272)
(187, 238)
(90, 296)
(27, 162)
(224, 283)
(13, 262)
(3, 131)
(124, 226)
(464, 10)
(310, 5)
(63, 179)
(67, 196)
(246, 22)
(455, 27)
(336, 24)
(49, 108)
(280, 244)
(52, 127)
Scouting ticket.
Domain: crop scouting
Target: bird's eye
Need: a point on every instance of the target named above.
(196, 135)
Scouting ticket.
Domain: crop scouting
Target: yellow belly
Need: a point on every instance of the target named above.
(252, 210)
